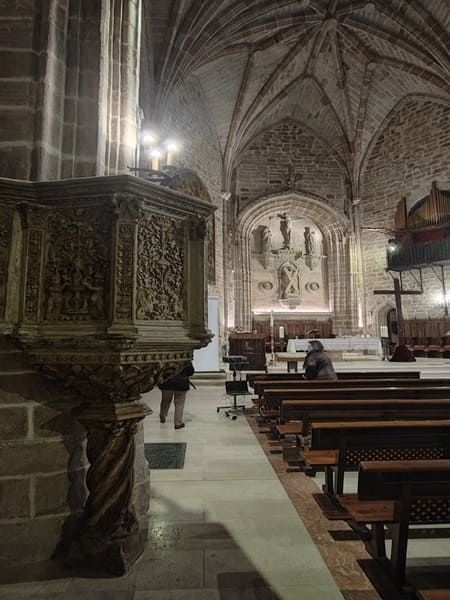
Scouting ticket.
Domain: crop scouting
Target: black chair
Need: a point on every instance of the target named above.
(235, 388)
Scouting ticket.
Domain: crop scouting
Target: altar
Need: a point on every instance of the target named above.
(341, 344)
(336, 348)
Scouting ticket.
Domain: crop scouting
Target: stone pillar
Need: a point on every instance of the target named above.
(32, 76)
(69, 77)
(110, 275)
(358, 286)
(103, 44)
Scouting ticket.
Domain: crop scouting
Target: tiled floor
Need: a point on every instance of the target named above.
(246, 535)
(228, 526)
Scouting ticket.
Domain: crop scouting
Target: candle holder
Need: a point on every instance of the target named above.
(272, 361)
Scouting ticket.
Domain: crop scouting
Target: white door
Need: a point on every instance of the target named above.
(207, 359)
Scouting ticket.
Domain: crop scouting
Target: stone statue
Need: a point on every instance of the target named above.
(266, 245)
(285, 228)
(310, 244)
(289, 284)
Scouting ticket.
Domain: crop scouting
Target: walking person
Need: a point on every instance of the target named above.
(175, 388)
(317, 363)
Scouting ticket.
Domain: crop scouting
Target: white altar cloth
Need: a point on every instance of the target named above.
(343, 344)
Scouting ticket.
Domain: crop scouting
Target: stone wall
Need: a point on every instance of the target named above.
(410, 153)
(32, 76)
(285, 157)
(186, 117)
(42, 463)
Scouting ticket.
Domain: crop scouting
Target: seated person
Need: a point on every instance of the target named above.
(317, 363)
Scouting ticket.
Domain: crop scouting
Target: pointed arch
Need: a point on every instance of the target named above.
(336, 230)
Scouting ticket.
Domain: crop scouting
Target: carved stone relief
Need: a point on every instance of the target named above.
(288, 266)
(111, 382)
(124, 270)
(160, 271)
(77, 263)
(5, 246)
(33, 274)
(88, 234)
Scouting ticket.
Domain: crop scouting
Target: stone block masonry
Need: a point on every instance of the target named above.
(287, 157)
(411, 152)
(42, 462)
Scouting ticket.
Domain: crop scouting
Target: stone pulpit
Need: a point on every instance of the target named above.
(102, 296)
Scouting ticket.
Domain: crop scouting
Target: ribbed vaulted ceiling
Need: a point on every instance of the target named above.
(338, 66)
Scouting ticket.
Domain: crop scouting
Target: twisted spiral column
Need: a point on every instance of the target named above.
(111, 536)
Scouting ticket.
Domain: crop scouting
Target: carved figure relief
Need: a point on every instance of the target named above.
(160, 272)
(285, 228)
(188, 182)
(266, 240)
(77, 266)
(124, 271)
(5, 248)
(288, 275)
(33, 275)
(288, 268)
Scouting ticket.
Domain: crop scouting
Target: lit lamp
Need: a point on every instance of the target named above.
(393, 245)
(149, 138)
(172, 149)
(155, 156)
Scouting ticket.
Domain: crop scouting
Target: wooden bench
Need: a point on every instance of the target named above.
(252, 377)
(274, 397)
(399, 494)
(433, 594)
(308, 411)
(261, 386)
(354, 441)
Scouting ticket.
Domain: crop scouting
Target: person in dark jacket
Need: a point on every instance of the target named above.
(317, 363)
(175, 388)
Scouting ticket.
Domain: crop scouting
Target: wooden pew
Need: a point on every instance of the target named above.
(433, 594)
(399, 494)
(251, 377)
(274, 397)
(309, 411)
(263, 385)
(351, 442)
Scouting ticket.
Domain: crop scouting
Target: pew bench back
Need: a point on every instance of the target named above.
(274, 397)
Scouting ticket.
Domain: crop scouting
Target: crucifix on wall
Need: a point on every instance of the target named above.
(401, 352)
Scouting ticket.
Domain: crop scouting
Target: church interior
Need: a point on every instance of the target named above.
(220, 182)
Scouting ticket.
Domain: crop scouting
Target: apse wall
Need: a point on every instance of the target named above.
(288, 169)
(289, 157)
(412, 151)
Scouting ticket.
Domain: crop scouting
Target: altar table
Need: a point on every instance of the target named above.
(342, 344)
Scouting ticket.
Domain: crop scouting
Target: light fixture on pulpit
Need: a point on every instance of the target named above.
(155, 155)
(163, 155)
(159, 152)
(172, 148)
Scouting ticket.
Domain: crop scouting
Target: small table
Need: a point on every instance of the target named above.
(291, 358)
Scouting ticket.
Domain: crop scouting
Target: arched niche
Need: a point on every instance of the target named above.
(283, 266)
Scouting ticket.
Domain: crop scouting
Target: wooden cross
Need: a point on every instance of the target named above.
(398, 293)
